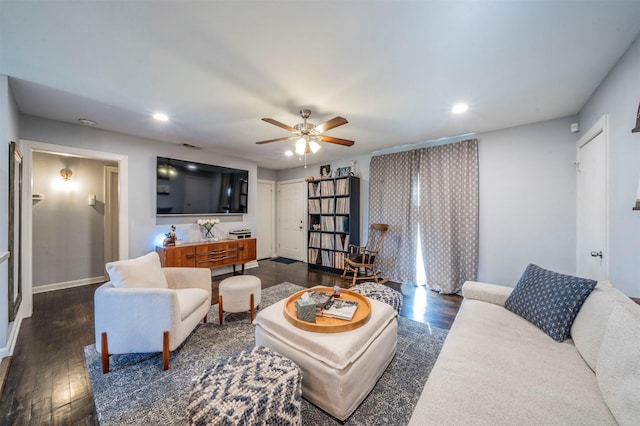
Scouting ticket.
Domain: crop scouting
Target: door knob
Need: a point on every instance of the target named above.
(596, 254)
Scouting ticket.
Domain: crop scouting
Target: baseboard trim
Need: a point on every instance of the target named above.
(13, 336)
(5, 364)
(68, 284)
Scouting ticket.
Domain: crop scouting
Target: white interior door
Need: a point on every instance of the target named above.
(592, 254)
(292, 208)
(265, 228)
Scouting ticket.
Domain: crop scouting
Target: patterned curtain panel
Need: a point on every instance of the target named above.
(432, 192)
(449, 214)
(390, 201)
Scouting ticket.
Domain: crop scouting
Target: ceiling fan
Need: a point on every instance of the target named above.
(308, 135)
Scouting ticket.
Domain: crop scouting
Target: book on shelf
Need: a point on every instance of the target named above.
(342, 205)
(314, 189)
(314, 206)
(326, 188)
(327, 205)
(342, 187)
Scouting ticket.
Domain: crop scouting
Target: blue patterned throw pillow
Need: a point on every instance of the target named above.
(549, 300)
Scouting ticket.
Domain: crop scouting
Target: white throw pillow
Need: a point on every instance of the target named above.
(142, 272)
(618, 367)
(590, 325)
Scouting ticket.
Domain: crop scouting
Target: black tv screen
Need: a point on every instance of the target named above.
(186, 187)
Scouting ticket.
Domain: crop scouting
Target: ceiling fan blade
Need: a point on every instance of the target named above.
(272, 140)
(338, 141)
(334, 122)
(279, 124)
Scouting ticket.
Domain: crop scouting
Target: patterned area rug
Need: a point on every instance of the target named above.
(137, 391)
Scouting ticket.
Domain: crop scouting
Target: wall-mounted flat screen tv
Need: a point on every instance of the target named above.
(189, 188)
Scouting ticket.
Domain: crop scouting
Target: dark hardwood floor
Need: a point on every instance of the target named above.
(48, 381)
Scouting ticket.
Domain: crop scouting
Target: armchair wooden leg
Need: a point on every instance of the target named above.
(355, 277)
(105, 353)
(165, 350)
(204, 320)
(253, 311)
(220, 309)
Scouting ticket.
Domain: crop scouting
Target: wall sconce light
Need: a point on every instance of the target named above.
(637, 128)
(66, 174)
(167, 171)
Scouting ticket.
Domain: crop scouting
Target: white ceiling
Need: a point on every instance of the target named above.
(393, 69)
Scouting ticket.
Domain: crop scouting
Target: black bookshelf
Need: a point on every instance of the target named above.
(333, 211)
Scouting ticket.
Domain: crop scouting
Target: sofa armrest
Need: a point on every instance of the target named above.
(485, 292)
(179, 278)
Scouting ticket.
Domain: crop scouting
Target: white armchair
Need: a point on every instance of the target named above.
(146, 308)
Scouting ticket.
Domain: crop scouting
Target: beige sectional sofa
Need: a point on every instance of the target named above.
(496, 368)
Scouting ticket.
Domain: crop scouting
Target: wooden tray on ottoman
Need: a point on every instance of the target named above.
(326, 324)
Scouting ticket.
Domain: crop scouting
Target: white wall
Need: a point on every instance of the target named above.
(618, 97)
(8, 133)
(527, 198)
(68, 234)
(145, 230)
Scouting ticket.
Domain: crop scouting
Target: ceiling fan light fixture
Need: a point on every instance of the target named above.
(315, 146)
(301, 146)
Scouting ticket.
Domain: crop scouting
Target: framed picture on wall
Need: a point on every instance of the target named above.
(325, 171)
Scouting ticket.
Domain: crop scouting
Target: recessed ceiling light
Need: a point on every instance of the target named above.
(160, 116)
(459, 108)
(86, 122)
(288, 153)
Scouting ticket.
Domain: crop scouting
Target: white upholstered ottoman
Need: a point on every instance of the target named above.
(338, 369)
(239, 293)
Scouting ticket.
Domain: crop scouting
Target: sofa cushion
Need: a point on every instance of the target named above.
(549, 300)
(618, 367)
(590, 324)
(496, 368)
(142, 272)
(190, 299)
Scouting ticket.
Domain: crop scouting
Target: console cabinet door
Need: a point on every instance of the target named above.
(178, 256)
(246, 250)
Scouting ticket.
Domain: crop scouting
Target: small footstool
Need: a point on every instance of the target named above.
(239, 293)
(338, 369)
(380, 292)
(256, 387)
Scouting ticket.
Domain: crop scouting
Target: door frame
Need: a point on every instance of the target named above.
(29, 147)
(601, 126)
(274, 218)
(109, 193)
(304, 218)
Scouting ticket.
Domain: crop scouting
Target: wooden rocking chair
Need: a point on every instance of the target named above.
(361, 259)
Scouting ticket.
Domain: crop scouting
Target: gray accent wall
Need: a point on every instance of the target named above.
(68, 233)
(618, 97)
